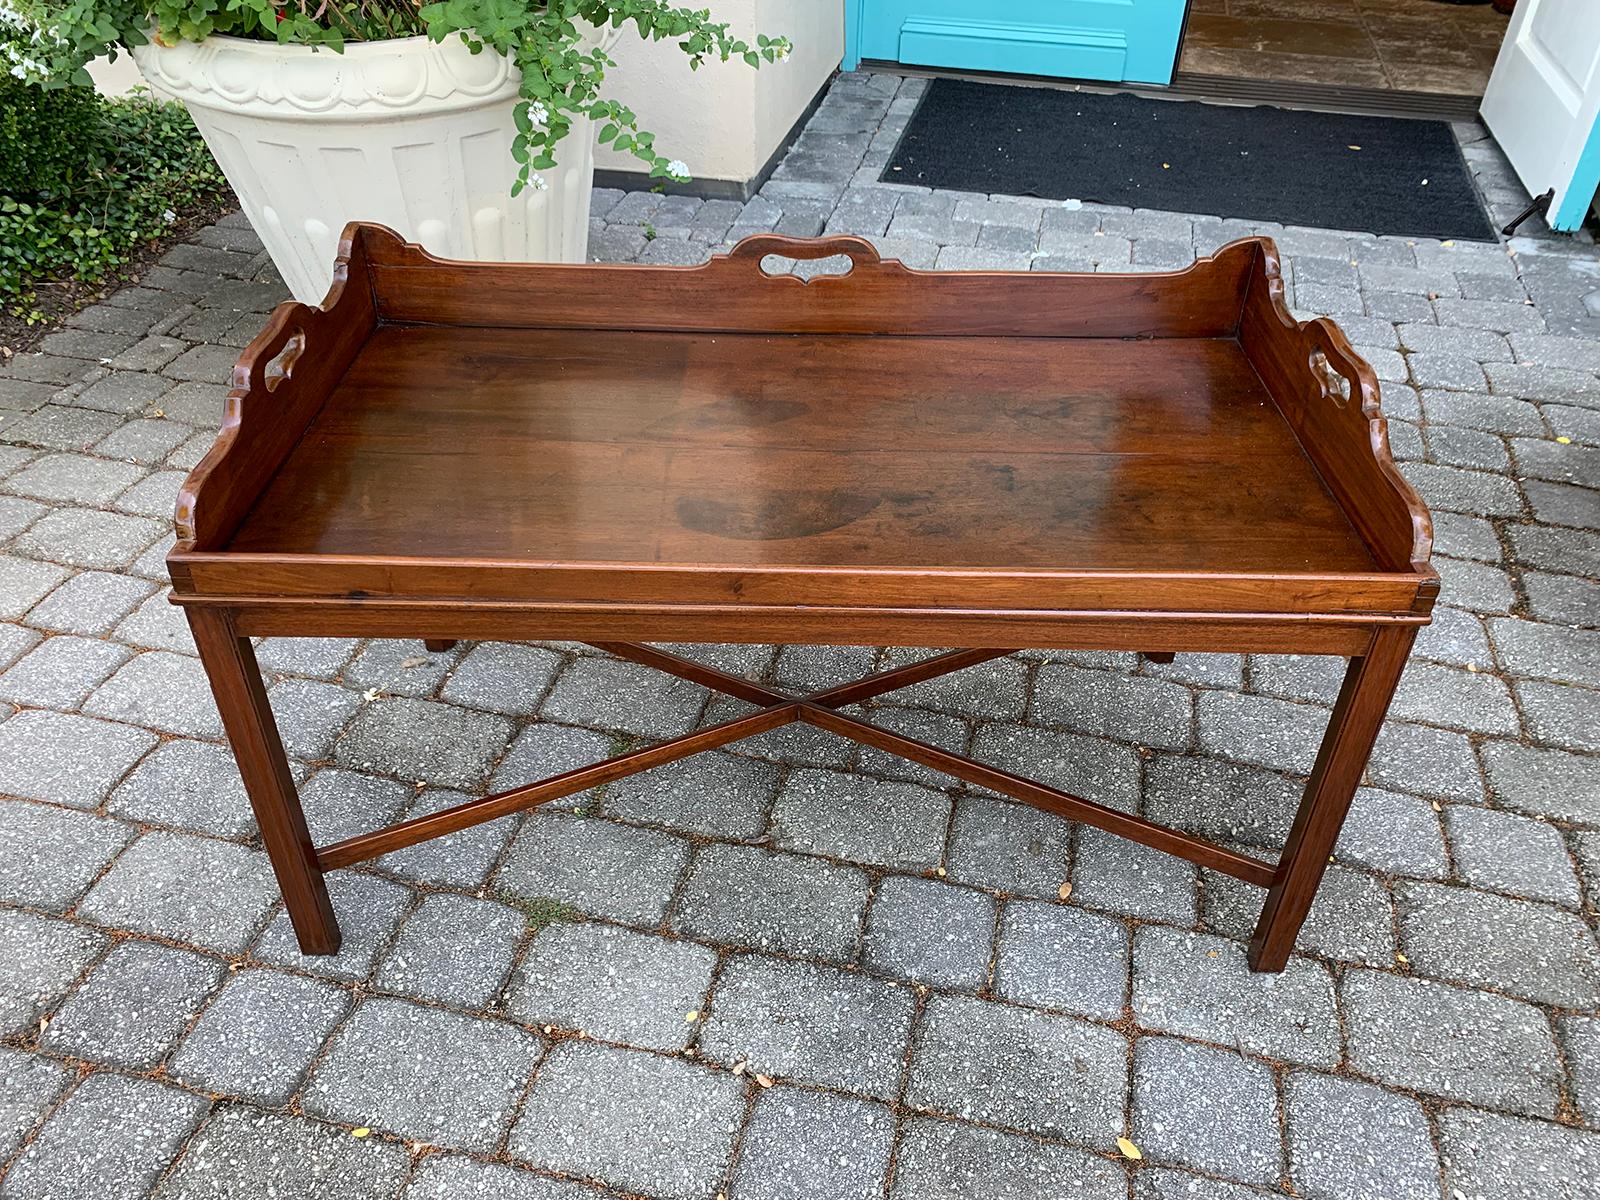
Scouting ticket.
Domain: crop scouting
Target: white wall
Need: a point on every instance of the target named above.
(725, 120)
(115, 78)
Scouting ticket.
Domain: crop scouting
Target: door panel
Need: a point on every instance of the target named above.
(1117, 40)
(1543, 103)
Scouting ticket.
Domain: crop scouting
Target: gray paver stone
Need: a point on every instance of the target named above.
(424, 1074)
(133, 1006)
(626, 697)
(259, 1035)
(1011, 847)
(66, 759)
(743, 896)
(1549, 783)
(457, 1177)
(502, 677)
(603, 868)
(240, 1152)
(877, 822)
(190, 785)
(340, 804)
(1053, 956)
(929, 932)
(162, 690)
(40, 958)
(1200, 986)
(49, 855)
(109, 1139)
(1210, 1109)
(1114, 874)
(1019, 1069)
(1506, 853)
(1130, 708)
(88, 537)
(950, 1160)
(809, 1023)
(716, 794)
(1351, 919)
(454, 949)
(1353, 1141)
(29, 1085)
(369, 910)
(613, 984)
(89, 603)
(1529, 950)
(1450, 1042)
(209, 893)
(420, 740)
(619, 1116)
(1510, 1158)
(1084, 766)
(460, 859)
(800, 1145)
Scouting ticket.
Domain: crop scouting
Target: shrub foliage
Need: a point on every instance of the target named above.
(84, 182)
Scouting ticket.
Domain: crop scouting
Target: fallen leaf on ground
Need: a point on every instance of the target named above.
(362, 1132)
(1129, 1150)
(416, 660)
(1064, 890)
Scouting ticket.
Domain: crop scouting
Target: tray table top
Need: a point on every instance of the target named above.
(828, 450)
(716, 435)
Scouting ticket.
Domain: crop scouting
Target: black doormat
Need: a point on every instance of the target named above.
(1328, 170)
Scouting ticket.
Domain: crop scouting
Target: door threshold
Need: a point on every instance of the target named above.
(1227, 89)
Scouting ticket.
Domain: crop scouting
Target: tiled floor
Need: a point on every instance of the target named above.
(1410, 45)
(793, 970)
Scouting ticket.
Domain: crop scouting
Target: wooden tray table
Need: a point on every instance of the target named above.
(621, 454)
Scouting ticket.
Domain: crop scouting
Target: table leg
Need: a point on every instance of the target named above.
(438, 645)
(230, 663)
(1369, 685)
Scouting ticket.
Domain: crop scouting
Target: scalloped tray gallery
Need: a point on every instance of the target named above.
(619, 454)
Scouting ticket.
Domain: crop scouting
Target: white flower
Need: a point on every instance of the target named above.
(170, 217)
(783, 52)
(538, 113)
(678, 169)
(537, 183)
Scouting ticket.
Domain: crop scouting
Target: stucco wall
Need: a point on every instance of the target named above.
(725, 120)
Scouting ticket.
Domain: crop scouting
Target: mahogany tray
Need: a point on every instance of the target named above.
(629, 454)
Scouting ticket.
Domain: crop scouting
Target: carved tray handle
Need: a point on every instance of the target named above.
(858, 250)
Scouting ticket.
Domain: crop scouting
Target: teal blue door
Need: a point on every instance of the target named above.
(1132, 41)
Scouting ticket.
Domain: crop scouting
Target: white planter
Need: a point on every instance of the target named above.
(410, 133)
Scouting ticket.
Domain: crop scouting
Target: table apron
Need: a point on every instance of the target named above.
(1266, 633)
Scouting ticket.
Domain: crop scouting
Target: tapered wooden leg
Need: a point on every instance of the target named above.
(438, 645)
(1369, 685)
(230, 664)
(1158, 656)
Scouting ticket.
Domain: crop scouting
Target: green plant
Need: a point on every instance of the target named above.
(46, 138)
(561, 78)
(121, 172)
(542, 911)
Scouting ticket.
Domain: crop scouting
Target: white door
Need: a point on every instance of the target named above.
(1543, 103)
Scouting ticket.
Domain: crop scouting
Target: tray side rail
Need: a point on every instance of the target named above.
(734, 292)
(1329, 396)
(279, 384)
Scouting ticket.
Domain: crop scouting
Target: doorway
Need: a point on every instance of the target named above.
(1379, 45)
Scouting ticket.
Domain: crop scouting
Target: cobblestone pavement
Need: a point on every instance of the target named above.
(548, 1006)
